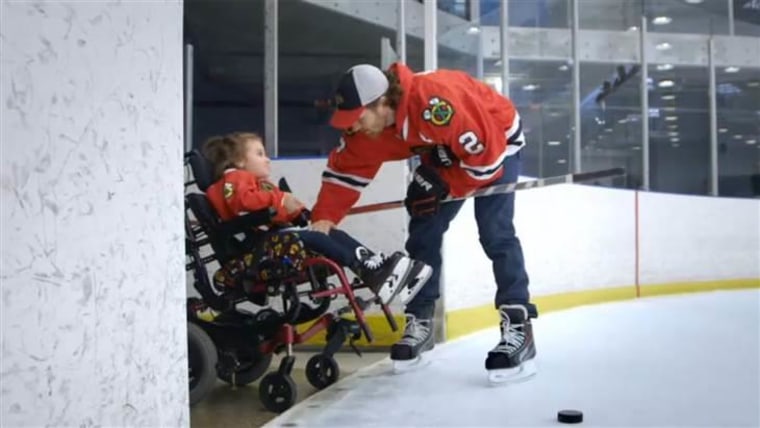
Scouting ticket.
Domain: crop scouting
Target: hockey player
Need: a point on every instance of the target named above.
(468, 136)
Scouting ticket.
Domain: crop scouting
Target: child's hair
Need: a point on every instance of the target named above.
(224, 151)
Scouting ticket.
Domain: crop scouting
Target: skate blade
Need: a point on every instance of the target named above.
(406, 366)
(519, 374)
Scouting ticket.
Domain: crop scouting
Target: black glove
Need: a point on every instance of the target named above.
(442, 156)
(425, 192)
(303, 218)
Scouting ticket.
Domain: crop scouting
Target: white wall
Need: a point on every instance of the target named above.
(93, 318)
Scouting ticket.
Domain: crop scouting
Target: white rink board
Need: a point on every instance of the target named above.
(692, 238)
(574, 238)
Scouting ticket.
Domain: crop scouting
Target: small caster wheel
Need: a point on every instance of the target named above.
(277, 392)
(322, 371)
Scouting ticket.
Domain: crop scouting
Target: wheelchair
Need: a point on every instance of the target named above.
(236, 345)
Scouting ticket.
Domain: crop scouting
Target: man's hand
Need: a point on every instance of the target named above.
(425, 192)
(442, 156)
(323, 226)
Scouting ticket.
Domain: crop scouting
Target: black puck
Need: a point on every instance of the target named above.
(570, 416)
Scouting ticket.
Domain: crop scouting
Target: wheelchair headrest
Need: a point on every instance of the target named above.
(203, 170)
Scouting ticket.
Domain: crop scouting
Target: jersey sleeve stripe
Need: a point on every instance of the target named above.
(343, 181)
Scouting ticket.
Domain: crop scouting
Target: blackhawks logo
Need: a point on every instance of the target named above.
(439, 113)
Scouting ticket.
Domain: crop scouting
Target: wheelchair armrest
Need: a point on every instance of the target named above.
(245, 223)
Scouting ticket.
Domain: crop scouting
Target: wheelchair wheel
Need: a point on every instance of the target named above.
(277, 392)
(251, 368)
(322, 371)
(202, 359)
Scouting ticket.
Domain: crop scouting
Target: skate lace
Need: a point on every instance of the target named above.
(416, 331)
(512, 338)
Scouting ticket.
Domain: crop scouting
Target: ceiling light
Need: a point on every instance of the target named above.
(564, 67)
(753, 84)
(675, 140)
(530, 87)
(561, 161)
(738, 136)
(663, 46)
(673, 126)
(694, 1)
(662, 20)
(675, 145)
(664, 67)
(668, 97)
(722, 130)
(553, 143)
(666, 84)
(473, 29)
(497, 63)
(671, 118)
(732, 69)
(633, 28)
(636, 148)
(751, 142)
(673, 134)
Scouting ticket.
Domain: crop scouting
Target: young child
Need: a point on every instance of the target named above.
(241, 173)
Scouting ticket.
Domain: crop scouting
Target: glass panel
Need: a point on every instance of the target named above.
(316, 46)
(617, 15)
(611, 120)
(679, 130)
(228, 71)
(529, 13)
(458, 47)
(746, 17)
(694, 16)
(738, 131)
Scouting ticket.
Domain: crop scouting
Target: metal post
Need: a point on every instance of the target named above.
(401, 32)
(475, 21)
(189, 62)
(644, 105)
(271, 121)
(577, 159)
(714, 190)
(431, 35)
(730, 17)
(504, 32)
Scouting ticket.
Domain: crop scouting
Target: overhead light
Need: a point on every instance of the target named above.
(675, 145)
(694, 1)
(564, 67)
(497, 63)
(473, 29)
(732, 69)
(664, 67)
(662, 20)
(636, 148)
(663, 46)
(753, 84)
(673, 134)
(671, 118)
(666, 83)
(751, 142)
(668, 97)
(675, 140)
(553, 143)
(561, 161)
(672, 126)
(722, 130)
(738, 136)
(530, 87)
(633, 28)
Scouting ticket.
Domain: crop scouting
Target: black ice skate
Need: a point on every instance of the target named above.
(406, 354)
(385, 276)
(512, 360)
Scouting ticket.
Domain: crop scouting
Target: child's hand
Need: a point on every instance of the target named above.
(291, 204)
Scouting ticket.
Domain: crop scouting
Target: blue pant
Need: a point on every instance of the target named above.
(338, 246)
(494, 215)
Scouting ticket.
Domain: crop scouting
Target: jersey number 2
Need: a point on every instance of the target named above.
(470, 143)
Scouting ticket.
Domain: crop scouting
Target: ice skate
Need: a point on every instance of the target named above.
(409, 353)
(393, 276)
(512, 360)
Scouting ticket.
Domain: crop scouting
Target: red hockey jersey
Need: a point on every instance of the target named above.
(446, 107)
(239, 192)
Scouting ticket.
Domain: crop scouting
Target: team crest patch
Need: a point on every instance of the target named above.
(439, 113)
(229, 190)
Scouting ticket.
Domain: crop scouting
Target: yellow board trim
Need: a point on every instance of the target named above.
(462, 322)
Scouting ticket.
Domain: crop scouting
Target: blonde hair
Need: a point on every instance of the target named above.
(224, 151)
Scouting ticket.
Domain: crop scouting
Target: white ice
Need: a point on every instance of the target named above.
(677, 361)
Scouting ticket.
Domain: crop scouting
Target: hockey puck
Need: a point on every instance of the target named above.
(570, 416)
